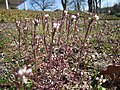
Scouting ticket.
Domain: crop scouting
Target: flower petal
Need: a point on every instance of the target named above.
(24, 79)
(28, 70)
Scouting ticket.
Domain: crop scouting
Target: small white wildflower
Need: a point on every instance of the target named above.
(46, 15)
(96, 17)
(89, 18)
(24, 70)
(37, 37)
(97, 78)
(28, 71)
(90, 77)
(35, 22)
(100, 83)
(17, 23)
(93, 56)
(24, 79)
(56, 25)
(101, 76)
(25, 28)
(20, 72)
(85, 44)
(100, 80)
(65, 12)
(104, 80)
(77, 14)
(108, 11)
(52, 82)
(82, 73)
(73, 17)
(85, 53)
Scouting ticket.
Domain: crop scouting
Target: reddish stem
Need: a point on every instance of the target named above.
(34, 47)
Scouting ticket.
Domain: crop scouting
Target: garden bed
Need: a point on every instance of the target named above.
(62, 53)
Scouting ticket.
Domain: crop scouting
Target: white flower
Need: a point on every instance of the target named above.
(24, 79)
(100, 80)
(78, 14)
(20, 72)
(46, 15)
(85, 53)
(109, 11)
(97, 78)
(93, 56)
(73, 17)
(65, 12)
(89, 18)
(24, 70)
(56, 25)
(18, 23)
(101, 76)
(96, 17)
(82, 73)
(25, 28)
(36, 21)
(104, 80)
(28, 71)
(85, 44)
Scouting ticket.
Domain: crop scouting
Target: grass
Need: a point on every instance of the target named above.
(12, 15)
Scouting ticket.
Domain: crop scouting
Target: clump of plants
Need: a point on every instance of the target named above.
(64, 53)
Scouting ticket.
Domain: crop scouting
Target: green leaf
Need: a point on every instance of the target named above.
(101, 88)
(2, 81)
(7, 60)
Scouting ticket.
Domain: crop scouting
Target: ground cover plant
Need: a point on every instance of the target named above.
(67, 52)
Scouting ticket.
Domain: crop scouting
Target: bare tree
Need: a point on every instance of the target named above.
(90, 5)
(42, 4)
(94, 5)
(64, 4)
(76, 4)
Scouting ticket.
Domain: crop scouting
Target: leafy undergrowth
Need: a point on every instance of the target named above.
(64, 53)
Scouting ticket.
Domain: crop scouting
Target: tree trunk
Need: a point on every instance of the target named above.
(90, 5)
(96, 5)
(64, 4)
(78, 5)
